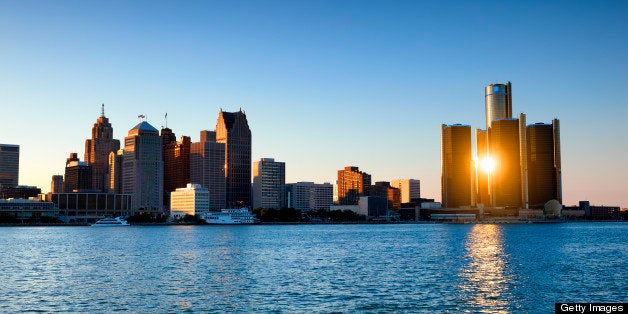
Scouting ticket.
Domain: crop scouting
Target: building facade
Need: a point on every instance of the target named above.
(143, 169)
(97, 151)
(410, 189)
(456, 162)
(176, 157)
(352, 183)
(232, 129)
(88, 207)
(309, 196)
(9, 164)
(269, 180)
(190, 200)
(506, 176)
(78, 174)
(498, 101)
(207, 168)
(56, 185)
(543, 163)
(116, 171)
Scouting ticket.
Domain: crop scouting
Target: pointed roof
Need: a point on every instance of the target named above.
(143, 127)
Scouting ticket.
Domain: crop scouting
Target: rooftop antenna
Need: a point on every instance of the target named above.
(102, 110)
(166, 117)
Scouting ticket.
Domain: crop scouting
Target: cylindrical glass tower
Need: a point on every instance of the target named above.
(498, 98)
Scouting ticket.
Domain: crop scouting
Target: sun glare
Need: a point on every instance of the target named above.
(488, 164)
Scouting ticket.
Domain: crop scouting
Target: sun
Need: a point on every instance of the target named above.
(487, 164)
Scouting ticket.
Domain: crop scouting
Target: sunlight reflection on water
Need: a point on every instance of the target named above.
(320, 268)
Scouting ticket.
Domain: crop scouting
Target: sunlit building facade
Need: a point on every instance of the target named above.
(269, 179)
(483, 168)
(9, 164)
(232, 129)
(143, 169)
(115, 171)
(97, 150)
(352, 183)
(410, 189)
(190, 200)
(456, 162)
(504, 148)
(498, 100)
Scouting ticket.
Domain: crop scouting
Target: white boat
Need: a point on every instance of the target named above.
(234, 216)
(111, 222)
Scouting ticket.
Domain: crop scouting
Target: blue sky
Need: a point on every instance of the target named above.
(324, 84)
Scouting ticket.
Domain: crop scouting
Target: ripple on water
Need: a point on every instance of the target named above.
(319, 268)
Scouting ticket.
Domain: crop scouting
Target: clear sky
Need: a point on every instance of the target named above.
(325, 84)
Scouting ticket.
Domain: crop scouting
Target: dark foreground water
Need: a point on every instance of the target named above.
(320, 268)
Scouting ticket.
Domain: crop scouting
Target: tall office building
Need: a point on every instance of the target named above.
(56, 185)
(506, 178)
(498, 100)
(269, 179)
(78, 175)
(207, 168)
(232, 128)
(306, 196)
(9, 165)
(410, 189)
(176, 157)
(543, 154)
(115, 171)
(97, 151)
(143, 169)
(352, 183)
(483, 168)
(456, 186)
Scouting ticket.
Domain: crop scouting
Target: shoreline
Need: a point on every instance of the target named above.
(422, 222)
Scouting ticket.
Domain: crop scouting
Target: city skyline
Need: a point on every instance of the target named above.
(361, 84)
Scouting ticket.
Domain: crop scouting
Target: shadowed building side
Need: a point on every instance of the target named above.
(207, 168)
(456, 162)
(543, 173)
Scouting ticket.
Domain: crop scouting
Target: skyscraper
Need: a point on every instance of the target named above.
(78, 175)
(97, 151)
(56, 186)
(176, 157)
(9, 165)
(207, 168)
(232, 128)
(143, 169)
(484, 167)
(498, 100)
(116, 160)
(456, 165)
(543, 153)
(352, 183)
(506, 178)
(269, 179)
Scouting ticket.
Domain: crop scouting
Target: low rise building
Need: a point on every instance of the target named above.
(190, 200)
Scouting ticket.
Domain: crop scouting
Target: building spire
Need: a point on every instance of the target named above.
(102, 110)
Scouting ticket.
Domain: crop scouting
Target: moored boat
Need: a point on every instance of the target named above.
(111, 222)
(233, 216)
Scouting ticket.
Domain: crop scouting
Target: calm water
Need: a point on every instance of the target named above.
(320, 268)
